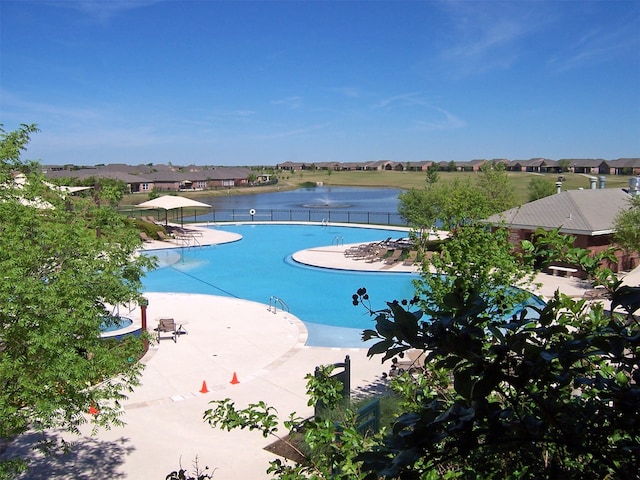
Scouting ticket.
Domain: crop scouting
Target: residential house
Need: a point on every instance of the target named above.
(625, 166)
(135, 183)
(589, 165)
(535, 165)
(227, 177)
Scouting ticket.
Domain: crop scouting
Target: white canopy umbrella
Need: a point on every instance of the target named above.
(172, 202)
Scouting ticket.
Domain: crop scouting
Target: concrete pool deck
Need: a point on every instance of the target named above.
(226, 338)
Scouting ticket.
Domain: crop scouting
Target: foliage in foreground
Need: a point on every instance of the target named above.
(64, 261)
(549, 393)
(325, 446)
(553, 397)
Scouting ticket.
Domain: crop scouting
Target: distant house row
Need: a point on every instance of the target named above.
(167, 178)
(620, 166)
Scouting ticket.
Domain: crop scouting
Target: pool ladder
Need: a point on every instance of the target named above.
(337, 241)
(274, 302)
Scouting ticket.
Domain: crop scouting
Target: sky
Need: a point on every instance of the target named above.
(265, 82)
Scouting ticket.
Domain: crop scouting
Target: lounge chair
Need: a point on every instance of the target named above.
(411, 259)
(357, 250)
(162, 236)
(394, 257)
(145, 238)
(376, 255)
(167, 325)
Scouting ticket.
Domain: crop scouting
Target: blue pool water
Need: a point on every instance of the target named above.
(259, 266)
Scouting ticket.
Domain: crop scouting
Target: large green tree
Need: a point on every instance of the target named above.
(495, 185)
(65, 263)
(444, 205)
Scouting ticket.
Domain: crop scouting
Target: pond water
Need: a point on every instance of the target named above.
(319, 204)
(343, 198)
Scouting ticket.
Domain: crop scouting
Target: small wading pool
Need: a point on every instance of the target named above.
(117, 327)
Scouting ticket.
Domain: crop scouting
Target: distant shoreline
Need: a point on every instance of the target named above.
(382, 179)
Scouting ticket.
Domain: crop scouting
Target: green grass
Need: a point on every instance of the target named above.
(407, 180)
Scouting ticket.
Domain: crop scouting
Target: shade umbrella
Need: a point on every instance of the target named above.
(172, 202)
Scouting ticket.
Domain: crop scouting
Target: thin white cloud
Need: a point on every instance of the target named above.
(102, 10)
(293, 133)
(293, 102)
(597, 46)
(485, 36)
(438, 118)
(352, 92)
(446, 121)
(38, 111)
(405, 99)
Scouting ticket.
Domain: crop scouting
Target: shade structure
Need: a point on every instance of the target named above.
(172, 202)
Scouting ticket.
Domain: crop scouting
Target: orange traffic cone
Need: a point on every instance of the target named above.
(93, 410)
(234, 380)
(204, 388)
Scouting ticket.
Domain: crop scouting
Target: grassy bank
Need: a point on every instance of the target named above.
(390, 179)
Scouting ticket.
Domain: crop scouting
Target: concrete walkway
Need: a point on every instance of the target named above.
(227, 338)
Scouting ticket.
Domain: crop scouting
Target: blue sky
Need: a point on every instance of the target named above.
(245, 83)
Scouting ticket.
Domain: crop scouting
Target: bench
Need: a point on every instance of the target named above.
(566, 270)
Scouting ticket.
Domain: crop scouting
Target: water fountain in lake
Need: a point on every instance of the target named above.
(325, 202)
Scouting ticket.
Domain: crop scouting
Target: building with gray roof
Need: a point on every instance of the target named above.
(588, 215)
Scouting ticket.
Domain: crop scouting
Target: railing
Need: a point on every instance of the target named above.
(187, 240)
(368, 417)
(323, 216)
(273, 304)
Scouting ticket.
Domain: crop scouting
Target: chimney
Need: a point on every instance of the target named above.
(601, 180)
(558, 187)
(592, 183)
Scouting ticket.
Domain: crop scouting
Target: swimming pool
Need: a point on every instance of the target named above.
(259, 266)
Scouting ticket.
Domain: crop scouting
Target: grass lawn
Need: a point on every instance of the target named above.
(392, 179)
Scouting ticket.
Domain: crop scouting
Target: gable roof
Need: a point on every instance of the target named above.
(583, 212)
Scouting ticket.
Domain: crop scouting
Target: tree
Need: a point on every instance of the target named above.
(452, 166)
(494, 183)
(476, 260)
(540, 187)
(444, 205)
(627, 226)
(432, 174)
(564, 164)
(65, 262)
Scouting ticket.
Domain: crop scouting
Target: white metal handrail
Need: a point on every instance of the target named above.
(273, 304)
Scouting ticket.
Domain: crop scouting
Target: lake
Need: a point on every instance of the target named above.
(331, 204)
